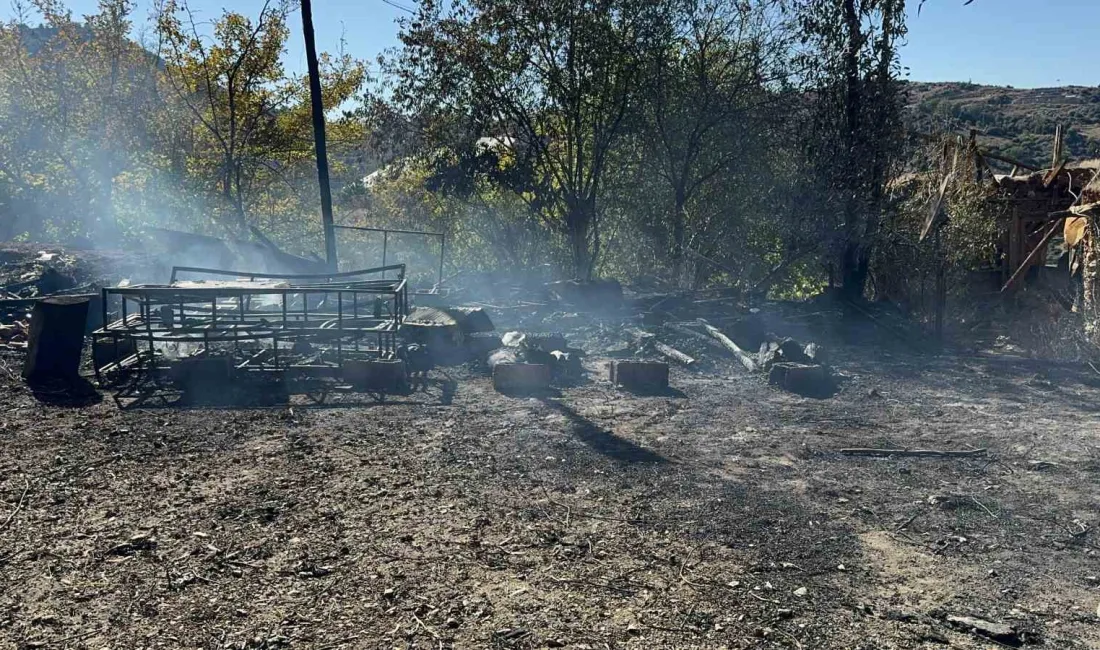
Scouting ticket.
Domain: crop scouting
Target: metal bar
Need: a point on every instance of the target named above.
(393, 230)
(385, 245)
(103, 306)
(442, 248)
(277, 276)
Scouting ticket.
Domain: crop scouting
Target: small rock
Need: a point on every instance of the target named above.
(555, 643)
(452, 623)
(840, 567)
(785, 613)
(801, 591)
(633, 629)
(388, 593)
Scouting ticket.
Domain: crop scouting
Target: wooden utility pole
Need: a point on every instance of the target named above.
(318, 109)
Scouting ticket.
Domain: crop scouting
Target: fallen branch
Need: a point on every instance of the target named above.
(673, 353)
(929, 453)
(684, 329)
(647, 339)
(741, 355)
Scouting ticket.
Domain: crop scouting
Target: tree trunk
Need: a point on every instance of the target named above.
(580, 225)
(679, 235)
(853, 260)
(853, 270)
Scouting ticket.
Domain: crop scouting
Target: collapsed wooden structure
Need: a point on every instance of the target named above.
(1039, 208)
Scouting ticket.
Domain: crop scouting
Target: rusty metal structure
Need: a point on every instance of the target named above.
(226, 322)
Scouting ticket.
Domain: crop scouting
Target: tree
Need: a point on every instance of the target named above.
(704, 91)
(251, 119)
(548, 82)
(854, 137)
(232, 88)
(75, 101)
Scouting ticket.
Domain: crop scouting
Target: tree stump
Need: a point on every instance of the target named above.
(803, 379)
(56, 338)
(521, 378)
(639, 375)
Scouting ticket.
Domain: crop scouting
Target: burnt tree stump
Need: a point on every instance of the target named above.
(639, 375)
(56, 338)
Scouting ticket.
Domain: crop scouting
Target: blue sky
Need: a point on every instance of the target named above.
(1023, 43)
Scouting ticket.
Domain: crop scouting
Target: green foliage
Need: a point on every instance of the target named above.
(103, 137)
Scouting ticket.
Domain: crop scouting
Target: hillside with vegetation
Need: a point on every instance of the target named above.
(1017, 122)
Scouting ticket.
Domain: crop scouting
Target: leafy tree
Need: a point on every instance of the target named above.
(854, 136)
(548, 82)
(76, 101)
(251, 127)
(705, 89)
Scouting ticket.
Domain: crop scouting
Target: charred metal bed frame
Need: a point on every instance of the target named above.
(311, 324)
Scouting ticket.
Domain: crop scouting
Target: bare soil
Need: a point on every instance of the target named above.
(721, 515)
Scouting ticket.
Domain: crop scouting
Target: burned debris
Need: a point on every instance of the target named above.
(368, 330)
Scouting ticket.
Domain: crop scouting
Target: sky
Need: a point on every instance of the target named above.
(1021, 43)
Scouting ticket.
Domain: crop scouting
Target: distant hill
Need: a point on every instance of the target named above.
(1019, 123)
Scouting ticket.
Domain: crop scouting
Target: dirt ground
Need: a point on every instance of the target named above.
(721, 515)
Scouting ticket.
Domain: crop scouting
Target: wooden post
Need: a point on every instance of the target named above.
(318, 108)
(1058, 146)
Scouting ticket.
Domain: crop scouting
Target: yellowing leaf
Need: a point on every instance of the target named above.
(1075, 230)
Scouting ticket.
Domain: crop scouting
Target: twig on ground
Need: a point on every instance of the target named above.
(18, 506)
(684, 579)
(982, 506)
(423, 625)
(908, 521)
(789, 637)
(766, 600)
(931, 453)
